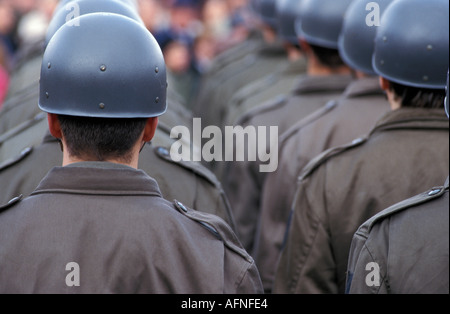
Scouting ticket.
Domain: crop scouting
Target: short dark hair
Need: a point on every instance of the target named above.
(418, 97)
(99, 139)
(328, 57)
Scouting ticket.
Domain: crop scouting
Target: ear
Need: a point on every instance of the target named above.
(54, 126)
(150, 129)
(385, 84)
(304, 45)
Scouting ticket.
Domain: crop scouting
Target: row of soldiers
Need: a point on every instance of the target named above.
(340, 81)
(358, 103)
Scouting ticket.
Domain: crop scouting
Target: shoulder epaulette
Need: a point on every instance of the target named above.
(11, 203)
(216, 226)
(326, 155)
(196, 168)
(12, 161)
(270, 105)
(329, 106)
(401, 206)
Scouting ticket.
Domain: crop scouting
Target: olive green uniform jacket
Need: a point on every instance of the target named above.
(216, 92)
(403, 249)
(339, 122)
(243, 181)
(188, 182)
(112, 221)
(259, 92)
(342, 188)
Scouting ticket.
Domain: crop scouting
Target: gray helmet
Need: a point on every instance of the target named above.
(109, 66)
(63, 16)
(287, 13)
(320, 21)
(356, 41)
(266, 10)
(412, 43)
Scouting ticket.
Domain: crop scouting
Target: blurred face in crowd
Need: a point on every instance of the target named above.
(215, 17)
(24, 6)
(47, 7)
(151, 13)
(177, 57)
(6, 18)
(182, 17)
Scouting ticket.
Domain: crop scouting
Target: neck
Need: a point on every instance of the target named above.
(132, 162)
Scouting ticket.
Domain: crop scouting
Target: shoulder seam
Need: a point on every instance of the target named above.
(11, 203)
(163, 153)
(326, 155)
(416, 200)
(12, 161)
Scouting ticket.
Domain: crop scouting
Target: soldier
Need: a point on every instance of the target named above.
(407, 150)
(276, 83)
(412, 237)
(21, 102)
(98, 205)
(326, 79)
(341, 121)
(28, 152)
(213, 97)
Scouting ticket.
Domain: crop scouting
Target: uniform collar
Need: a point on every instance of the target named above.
(324, 83)
(417, 118)
(98, 178)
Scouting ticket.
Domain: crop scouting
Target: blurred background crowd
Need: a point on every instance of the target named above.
(190, 32)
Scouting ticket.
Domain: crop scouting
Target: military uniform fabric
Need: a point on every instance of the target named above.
(345, 186)
(123, 235)
(222, 67)
(242, 181)
(213, 99)
(188, 182)
(269, 87)
(341, 121)
(409, 242)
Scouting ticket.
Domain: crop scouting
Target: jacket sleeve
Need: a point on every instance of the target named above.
(251, 281)
(366, 272)
(307, 264)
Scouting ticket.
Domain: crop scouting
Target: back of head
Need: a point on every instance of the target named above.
(412, 43)
(103, 65)
(356, 41)
(320, 21)
(412, 49)
(287, 12)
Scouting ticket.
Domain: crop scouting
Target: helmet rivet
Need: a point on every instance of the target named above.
(101, 106)
(430, 47)
(157, 70)
(47, 95)
(157, 100)
(385, 39)
(425, 78)
(103, 68)
(382, 62)
(49, 65)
